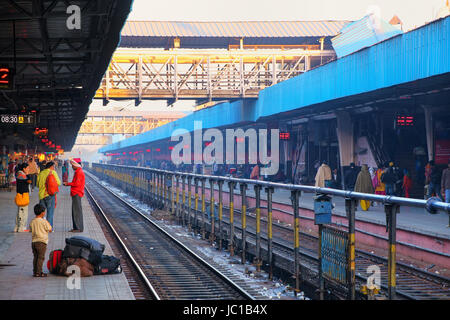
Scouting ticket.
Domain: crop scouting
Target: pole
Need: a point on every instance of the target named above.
(294, 199)
(258, 260)
(212, 208)
(189, 202)
(350, 207)
(269, 192)
(220, 183)
(243, 220)
(203, 208)
(391, 215)
(231, 245)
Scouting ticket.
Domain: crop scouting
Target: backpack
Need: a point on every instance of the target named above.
(51, 185)
(54, 261)
(109, 265)
(83, 247)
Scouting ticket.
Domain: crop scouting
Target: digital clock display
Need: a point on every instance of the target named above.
(17, 119)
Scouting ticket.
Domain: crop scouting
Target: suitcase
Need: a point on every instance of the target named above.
(108, 265)
(54, 261)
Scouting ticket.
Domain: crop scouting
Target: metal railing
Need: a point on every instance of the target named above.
(158, 186)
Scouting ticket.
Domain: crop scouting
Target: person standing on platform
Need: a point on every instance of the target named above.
(46, 198)
(77, 192)
(363, 184)
(336, 179)
(434, 186)
(323, 176)
(380, 187)
(445, 183)
(65, 172)
(33, 170)
(407, 183)
(39, 239)
(254, 175)
(388, 178)
(22, 198)
(350, 177)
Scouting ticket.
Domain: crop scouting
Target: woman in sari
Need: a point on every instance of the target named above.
(364, 185)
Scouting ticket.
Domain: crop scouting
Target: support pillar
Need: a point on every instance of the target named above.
(346, 141)
(429, 128)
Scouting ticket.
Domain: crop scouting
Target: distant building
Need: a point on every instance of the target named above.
(396, 22)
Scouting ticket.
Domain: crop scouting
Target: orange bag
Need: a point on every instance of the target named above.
(22, 199)
(51, 184)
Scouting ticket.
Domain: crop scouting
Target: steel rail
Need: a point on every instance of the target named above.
(124, 247)
(387, 200)
(240, 290)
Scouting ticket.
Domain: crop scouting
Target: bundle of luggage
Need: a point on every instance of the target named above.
(85, 253)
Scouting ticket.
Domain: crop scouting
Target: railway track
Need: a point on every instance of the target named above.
(168, 268)
(412, 283)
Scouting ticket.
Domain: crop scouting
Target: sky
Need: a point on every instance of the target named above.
(413, 13)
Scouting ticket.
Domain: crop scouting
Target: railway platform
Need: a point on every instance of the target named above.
(412, 219)
(16, 280)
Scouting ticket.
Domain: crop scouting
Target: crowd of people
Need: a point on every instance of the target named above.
(31, 174)
(386, 180)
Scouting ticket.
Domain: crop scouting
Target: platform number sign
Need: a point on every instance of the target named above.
(6, 77)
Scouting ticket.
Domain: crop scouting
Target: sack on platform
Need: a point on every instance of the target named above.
(86, 269)
(22, 199)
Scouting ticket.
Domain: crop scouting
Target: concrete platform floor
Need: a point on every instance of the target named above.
(16, 257)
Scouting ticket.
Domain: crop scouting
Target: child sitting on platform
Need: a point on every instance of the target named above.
(39, 228)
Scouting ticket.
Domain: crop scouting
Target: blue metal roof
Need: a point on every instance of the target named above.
(362, 33)
(418, 54)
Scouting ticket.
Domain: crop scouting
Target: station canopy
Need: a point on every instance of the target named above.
(227, 34)
(53, 54)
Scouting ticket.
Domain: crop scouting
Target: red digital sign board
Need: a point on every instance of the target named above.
(405, 121)
(285, 135)
(6, 77)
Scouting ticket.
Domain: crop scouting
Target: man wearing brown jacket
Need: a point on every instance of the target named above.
(33, 171)
(445, 183)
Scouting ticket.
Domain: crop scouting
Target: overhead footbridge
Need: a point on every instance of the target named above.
(209, 61)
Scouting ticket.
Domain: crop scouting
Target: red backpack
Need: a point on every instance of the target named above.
(54, 260)
(51, 184)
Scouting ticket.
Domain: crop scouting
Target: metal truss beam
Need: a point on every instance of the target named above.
(202, 74)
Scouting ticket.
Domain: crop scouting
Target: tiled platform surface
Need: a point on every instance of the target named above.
(16, 280)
